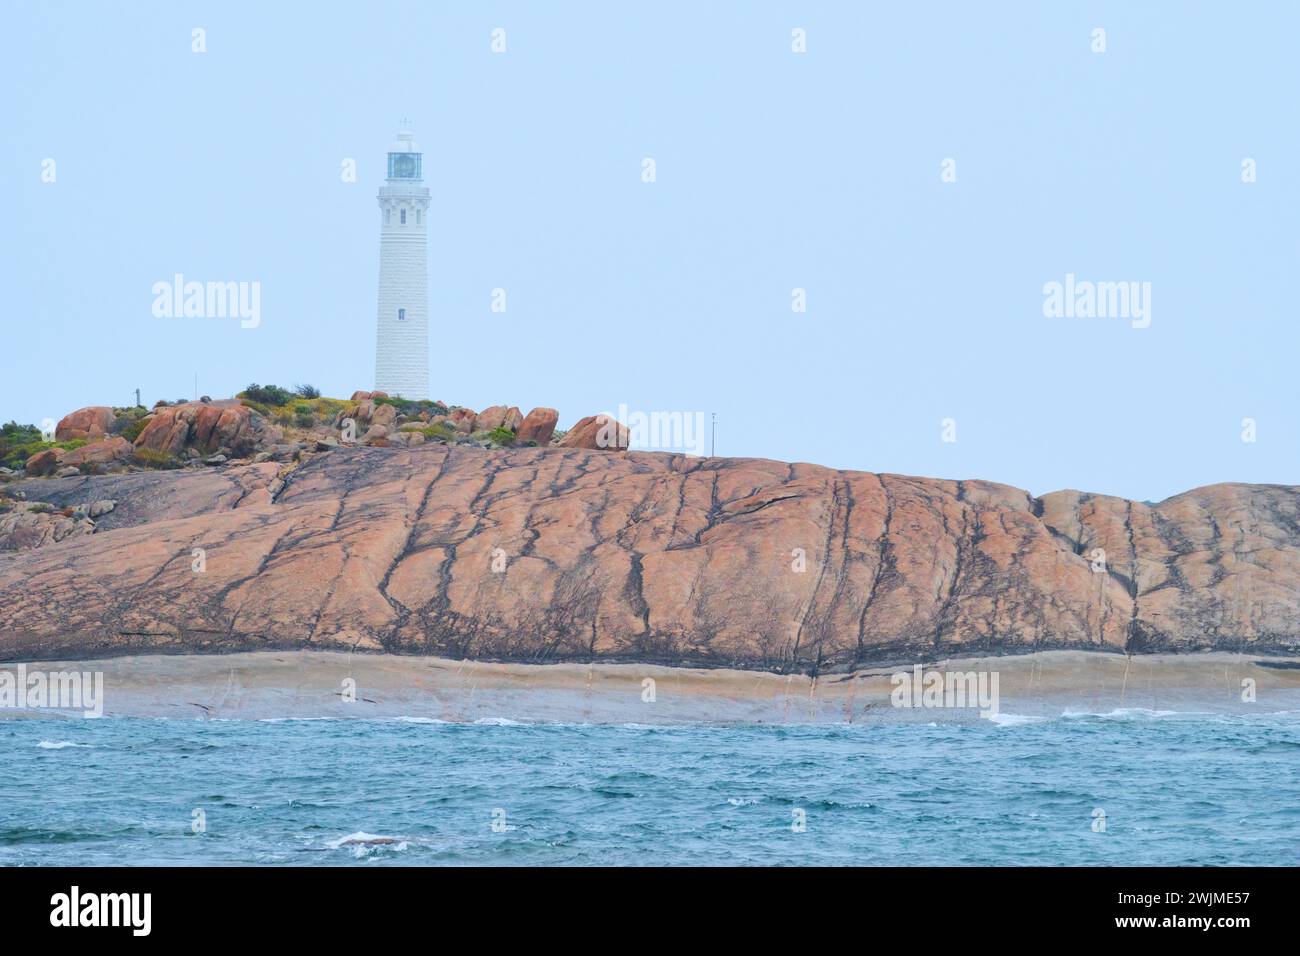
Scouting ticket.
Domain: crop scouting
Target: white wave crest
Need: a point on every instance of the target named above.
(1130, 713)
(1012, 720)
(364, 844)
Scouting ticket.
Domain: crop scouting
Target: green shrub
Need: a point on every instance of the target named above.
(132, 429)
(501, 436)
(40, 508)
(328, 407)
(440, 430)
(128, 423)
(413, 407)
(267, 394)
(18, 443)
(14, 433)
(16, 455)
(152, 458)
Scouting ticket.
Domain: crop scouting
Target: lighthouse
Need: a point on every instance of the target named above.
(402, 343)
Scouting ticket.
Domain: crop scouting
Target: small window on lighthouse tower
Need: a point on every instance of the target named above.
(401, 315)
(403, 217)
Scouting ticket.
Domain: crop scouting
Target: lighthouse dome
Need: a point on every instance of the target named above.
(404, 158)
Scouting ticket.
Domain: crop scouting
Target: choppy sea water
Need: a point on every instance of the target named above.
(1174, 789)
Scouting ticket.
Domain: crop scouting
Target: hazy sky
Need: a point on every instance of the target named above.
(775, 170)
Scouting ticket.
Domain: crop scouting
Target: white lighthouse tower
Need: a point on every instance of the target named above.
(402, 347)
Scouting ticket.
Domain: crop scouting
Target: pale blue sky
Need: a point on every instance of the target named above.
(775, 170)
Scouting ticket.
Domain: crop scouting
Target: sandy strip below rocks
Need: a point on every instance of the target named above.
(306, 684)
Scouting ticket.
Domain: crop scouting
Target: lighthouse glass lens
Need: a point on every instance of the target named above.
(403, 166)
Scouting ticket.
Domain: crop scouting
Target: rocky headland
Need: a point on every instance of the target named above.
(426, 529)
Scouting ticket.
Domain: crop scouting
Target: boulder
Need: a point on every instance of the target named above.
(67, 472)
(29, 527)
(538, 425)
(359, 412)
(597, 431)
(464, 420)
(201, 428)
(498, 416)
(281, 452)
(45, 462)
(88, 424)
(384, 415)
(106, 452)
(490, 418)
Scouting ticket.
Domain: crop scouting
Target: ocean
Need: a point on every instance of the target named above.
(1126, 787)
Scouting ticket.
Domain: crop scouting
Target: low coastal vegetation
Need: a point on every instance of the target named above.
(439, 432)
(379, 419)
(413, 407)
(155, 459)
(268, 423)
(130, 422)
(265, 395)
(20, 442)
